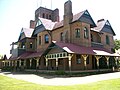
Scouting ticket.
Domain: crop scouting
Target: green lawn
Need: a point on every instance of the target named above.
(7, 83)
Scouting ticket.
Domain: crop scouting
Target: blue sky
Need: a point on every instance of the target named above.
(15, 14)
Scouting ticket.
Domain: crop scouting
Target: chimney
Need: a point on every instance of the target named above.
(56, 15)
(68, 15)
(100, 20)
(32, 24)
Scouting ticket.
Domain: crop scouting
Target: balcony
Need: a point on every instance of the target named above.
(96, 44)
(17, 51)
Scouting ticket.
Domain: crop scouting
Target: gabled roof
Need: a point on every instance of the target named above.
(48, 24)
(83, 16)
(58, 24)
(104, 26)
(25, 32)
(77, 16)
(43, 24)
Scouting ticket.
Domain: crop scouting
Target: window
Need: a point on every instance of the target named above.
(61, 36)
(43, 15)
(39, 40)
(107, 40)
(44, 61)
(49, 16)
(91, 37)
(31, 45)
(46, 16)
(46, 38)
(85, 32)
(23, 45)
(77, 33)
(78, 59)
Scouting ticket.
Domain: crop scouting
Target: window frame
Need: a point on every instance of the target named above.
(86, 33)
(40, 40)
(77, 32)
(31, 45)
(43, 15)
(61, 36)
(46, 38)
(107, 40)
(78, 59)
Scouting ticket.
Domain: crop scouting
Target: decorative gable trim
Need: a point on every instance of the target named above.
(108, 28)
(86, 17)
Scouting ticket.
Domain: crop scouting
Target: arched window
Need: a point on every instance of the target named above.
(86, 33)
(46, 38)
(77, 33)
(107, 40)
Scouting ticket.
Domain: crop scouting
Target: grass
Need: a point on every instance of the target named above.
(7, 83)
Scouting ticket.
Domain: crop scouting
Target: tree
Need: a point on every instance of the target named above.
(1, 57)
(117, 44)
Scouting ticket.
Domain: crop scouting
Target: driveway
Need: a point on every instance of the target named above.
(50, 80)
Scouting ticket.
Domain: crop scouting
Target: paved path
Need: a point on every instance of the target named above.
(62, 80)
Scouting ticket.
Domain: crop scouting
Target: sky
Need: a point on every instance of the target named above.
(16, 14)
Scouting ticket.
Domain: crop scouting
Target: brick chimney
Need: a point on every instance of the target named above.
(68, 15)
(32, 24)
(100, 20)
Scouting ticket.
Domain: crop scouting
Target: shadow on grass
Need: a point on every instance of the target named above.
(57, 74)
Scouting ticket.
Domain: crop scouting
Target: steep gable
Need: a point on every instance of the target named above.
(86, 17)
(104, 26)
(25, 32)
(43, 24)
(108, 28)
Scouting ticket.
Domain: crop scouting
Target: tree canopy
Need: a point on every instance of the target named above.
(117, 44)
